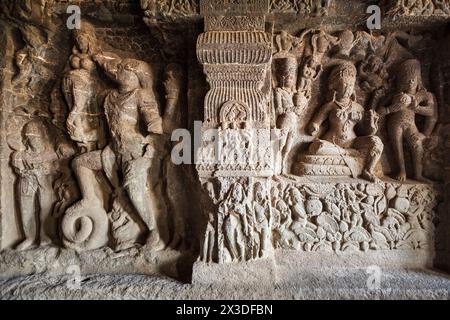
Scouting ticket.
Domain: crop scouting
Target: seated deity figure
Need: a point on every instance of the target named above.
(81, 87)
(411, 99)
(137, 144)
(340, 152)
(38, 167)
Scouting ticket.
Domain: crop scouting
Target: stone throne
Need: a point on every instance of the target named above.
(327, 160)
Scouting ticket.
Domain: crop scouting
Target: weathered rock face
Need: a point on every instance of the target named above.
(156, 134)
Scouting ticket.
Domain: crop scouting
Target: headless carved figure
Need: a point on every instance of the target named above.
(35, 167)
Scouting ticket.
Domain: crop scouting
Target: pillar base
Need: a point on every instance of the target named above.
(258, 272)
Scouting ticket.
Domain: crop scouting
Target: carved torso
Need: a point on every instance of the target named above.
(342, 119)
(123, 120)
(81, 89)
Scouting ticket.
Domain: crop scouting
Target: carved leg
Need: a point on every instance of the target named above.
(211, 245)
(230, 237)
(415, 140)
(204, 249)
(285, 152)
(208, 245)
(135, 183)
(84, 167)
(46, 201)
(28, 217)
(396, 135)
(374, 146)
(265, 242)
(240, 240)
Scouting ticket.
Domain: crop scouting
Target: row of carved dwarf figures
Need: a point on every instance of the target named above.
(119, 143)
(247, 218)
(419, 8)
(191, 7)
(349, 146)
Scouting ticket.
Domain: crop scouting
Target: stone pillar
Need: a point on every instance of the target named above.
(6, 179)
(236, 54)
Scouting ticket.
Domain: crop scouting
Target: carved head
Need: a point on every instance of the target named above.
(209, 187)
(237, 193)
(342, 80)
(85, 38)
(409, 78)
(259, 191)
(284, 41)
(375, 63)
(174, 71)
(282, 207)
(314, 206)
(35, 136)
(310, 68)
(286, 72)
(296, 196)
(132, 73)
(345, 45)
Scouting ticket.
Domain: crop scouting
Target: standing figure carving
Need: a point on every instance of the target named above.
(82, 87)
(374, 79)
(37, 168)
(236, 229)
(261, 220)
(411, 98)
(287, 113)
(310, 72)
(133, 158)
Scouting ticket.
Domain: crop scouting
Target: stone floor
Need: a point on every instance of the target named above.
(313, 284)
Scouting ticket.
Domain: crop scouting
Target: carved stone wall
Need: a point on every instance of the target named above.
(316, 135)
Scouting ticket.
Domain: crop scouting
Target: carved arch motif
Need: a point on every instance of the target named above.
(234, 112)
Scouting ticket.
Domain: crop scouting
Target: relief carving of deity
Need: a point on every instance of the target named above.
(410, 99)
(82, 90)
(343, 113)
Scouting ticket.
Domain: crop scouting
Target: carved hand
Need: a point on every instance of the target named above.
(381, 111)
(313, 128)
(414, 104)
(171, 85)
(373, 119)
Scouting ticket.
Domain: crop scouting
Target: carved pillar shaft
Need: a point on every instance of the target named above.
(236, 55)
(6, 205)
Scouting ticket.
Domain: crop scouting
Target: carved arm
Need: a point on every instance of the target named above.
(149, 111)
(428, 108)
(108, 63)
(171, 119)
(318, 119)
(370, 120)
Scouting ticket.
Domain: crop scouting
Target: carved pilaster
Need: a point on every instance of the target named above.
(236, 54)
(6, 205)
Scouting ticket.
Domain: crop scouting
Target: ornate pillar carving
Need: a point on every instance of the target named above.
(236, 54)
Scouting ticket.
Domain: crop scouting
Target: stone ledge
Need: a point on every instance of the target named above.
(347, 284)
(56, 262)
